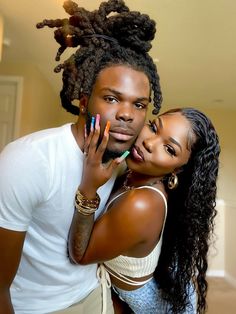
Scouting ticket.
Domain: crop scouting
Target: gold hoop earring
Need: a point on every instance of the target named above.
(172, 181)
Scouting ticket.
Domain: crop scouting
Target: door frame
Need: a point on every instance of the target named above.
(18, 80)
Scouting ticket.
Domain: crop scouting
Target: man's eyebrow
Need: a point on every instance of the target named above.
(111, 90)
(143, 99)
(120, 94)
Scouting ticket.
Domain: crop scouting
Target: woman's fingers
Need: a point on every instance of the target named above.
(113, 164)
(91, 147)
(95, 133)
(122, 157)
(87, 140)
(94, 125)
(103, 145)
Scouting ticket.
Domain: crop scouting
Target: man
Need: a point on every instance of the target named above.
(111, 74)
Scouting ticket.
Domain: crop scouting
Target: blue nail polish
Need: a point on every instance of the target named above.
(93, 122)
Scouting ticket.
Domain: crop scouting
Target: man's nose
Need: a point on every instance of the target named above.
(125, 112)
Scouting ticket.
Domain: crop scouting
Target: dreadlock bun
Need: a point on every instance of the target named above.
(110, 35)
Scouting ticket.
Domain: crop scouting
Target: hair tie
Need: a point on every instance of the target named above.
(101, 36)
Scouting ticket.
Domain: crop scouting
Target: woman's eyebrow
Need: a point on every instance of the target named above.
(176, 143)
(160, 122)
(171, 138)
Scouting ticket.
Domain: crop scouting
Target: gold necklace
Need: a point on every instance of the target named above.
(128, 187)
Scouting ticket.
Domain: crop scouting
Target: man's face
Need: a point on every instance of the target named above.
(120, 95)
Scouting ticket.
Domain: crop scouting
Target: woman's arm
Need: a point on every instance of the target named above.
(131, 226)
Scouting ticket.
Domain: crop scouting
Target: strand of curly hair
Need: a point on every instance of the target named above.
(108, 36)
(190, 220)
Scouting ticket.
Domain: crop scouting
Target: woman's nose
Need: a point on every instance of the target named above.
(148, 144)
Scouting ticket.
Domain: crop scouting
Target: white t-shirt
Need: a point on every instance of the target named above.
(39, 175)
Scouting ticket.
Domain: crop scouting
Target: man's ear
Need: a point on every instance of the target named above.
(83, 104)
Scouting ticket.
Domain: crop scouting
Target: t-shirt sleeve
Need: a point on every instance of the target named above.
(24, 184)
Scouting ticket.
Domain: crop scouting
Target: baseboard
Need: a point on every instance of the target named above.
(221, 273)
(216, 273)
(230, 279)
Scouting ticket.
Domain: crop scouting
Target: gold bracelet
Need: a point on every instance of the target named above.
(87, 203)
(85, 211)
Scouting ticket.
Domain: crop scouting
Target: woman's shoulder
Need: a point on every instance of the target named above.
(142, 201)
(145, 210)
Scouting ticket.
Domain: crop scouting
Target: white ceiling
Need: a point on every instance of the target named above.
(195, 45)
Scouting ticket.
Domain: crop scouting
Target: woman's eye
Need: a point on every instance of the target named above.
(152, 126)
(110, 99)
(170, 150)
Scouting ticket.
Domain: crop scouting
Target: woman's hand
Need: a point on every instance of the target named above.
(95, 173)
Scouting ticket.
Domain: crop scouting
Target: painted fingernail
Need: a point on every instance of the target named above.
(124, 155)
(97, 121)
(92, 123)
(107, 128)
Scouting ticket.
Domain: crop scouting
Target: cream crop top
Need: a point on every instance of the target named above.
(123, 266)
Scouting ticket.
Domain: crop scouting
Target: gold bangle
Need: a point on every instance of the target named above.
(85, 211)
(86, 203)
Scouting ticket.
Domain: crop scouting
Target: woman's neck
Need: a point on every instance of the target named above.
(135, 179)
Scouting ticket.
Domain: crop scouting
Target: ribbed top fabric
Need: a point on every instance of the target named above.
(141, 266)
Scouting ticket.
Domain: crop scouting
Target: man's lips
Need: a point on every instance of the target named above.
(121, 134)
(137, 154)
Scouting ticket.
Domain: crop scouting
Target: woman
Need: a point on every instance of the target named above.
(174, 165)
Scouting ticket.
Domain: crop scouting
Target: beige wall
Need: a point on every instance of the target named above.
(230, 247)
(41, 106)
(224, 121)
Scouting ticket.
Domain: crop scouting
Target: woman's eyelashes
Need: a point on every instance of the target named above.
(152, 126)
(170, 150)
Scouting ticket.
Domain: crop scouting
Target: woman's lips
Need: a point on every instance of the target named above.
(137, 154)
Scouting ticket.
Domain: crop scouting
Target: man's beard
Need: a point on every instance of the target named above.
(108, 154)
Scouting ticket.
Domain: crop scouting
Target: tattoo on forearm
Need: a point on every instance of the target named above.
(80, 233)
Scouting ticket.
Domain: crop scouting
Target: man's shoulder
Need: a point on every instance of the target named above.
(40, 145)
(46, 134)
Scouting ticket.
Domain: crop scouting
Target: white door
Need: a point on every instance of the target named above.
(10, 103)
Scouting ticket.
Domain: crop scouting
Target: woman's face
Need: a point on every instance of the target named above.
(162, 147)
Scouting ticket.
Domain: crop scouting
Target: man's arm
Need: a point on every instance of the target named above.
(11, 244)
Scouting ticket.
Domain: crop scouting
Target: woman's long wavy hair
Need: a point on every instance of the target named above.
(190, 219)
(111, 35)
